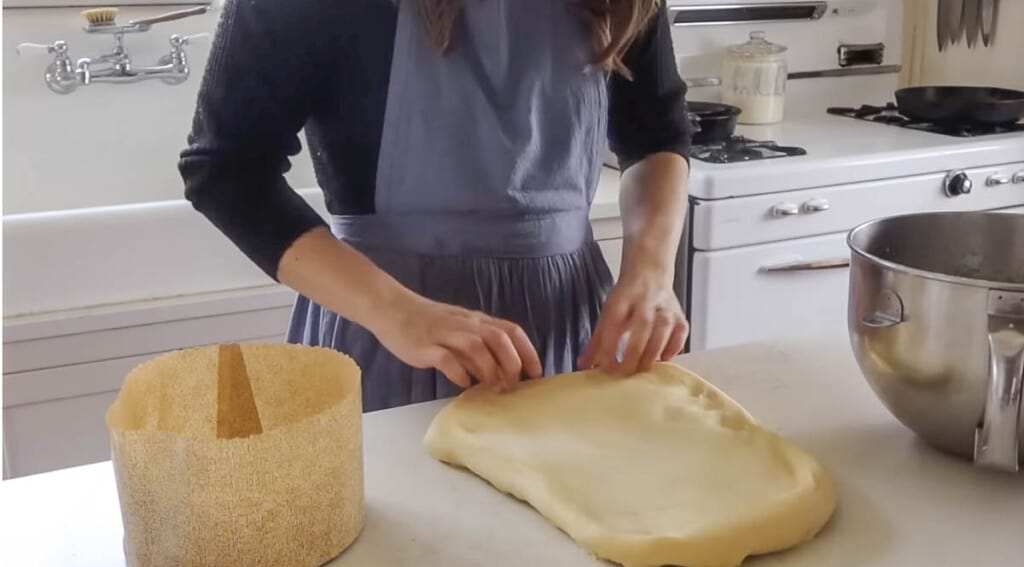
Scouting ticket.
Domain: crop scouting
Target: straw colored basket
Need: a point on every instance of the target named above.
(247, 455)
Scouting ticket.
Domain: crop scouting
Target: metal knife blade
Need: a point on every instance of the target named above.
(941, 25)
(972, 21)
(989, 11)
(956, 20)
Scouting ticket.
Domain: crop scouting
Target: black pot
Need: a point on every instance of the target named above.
(713, 122)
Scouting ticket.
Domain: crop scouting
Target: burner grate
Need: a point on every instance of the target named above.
(890, 115)
(740, 149)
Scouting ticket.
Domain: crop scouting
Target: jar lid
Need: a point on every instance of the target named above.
(758, 46)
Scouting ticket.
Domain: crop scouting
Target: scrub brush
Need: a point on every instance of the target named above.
(100, 16)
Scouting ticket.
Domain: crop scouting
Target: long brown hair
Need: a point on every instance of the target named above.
(614, 25)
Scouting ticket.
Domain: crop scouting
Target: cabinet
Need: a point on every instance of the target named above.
(60, 376)
(737, 298)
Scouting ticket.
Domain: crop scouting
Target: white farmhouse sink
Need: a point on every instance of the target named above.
(70, 259)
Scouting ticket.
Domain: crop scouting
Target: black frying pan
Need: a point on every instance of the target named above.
(961, 105)
(716, 121)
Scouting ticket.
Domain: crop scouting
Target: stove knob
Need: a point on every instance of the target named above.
(785, 210)
(995, 180)
(1018, 177)
(816, 205)
(958, 183)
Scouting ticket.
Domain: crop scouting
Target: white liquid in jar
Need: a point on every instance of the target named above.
(757, 109)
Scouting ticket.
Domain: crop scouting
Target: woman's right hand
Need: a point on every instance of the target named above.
(464, 345)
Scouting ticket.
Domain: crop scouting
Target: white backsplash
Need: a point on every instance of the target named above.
(103, 144)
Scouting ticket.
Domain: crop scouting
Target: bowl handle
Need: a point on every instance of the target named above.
(889, 312)
(997, 441)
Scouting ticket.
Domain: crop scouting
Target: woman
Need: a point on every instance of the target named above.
(458, 144)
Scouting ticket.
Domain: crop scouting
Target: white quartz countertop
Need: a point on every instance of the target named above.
(900, 502)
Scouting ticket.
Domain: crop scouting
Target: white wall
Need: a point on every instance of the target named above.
(103, 144)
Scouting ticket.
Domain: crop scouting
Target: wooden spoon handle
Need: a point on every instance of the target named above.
(237, 415)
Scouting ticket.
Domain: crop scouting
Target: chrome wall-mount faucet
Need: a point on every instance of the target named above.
(63, 76)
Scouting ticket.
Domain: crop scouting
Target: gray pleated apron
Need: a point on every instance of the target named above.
(489, 160)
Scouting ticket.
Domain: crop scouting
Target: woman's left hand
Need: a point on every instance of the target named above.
(644, 308)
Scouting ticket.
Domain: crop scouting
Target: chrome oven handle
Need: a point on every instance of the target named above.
(808, 266)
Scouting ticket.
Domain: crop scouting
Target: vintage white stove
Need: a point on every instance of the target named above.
(764, 253)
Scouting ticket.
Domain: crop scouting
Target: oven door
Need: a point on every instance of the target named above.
(790, 288)
(757, 293)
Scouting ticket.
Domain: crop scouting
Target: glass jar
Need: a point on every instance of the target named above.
(754, 79)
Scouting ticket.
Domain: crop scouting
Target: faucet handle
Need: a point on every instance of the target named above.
(183, 40)
(58, 47)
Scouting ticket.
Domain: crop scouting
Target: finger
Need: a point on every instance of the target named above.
(475, 355)
(477, 375)
(449, 365)
(509, 365)
(603, 348)
(528, 356)
(472, 370)
(589, 357)
(676, 341)
(640, 327)
(660, 334)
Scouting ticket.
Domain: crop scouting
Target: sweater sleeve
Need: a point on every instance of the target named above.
(648, 113)
(256, 94)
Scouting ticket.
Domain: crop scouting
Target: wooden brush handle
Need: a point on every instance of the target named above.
(170, 16)
(237, 415)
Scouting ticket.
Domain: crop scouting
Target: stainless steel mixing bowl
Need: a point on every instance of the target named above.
(936, 321)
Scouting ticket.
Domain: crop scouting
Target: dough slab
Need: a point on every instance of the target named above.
(658, 469)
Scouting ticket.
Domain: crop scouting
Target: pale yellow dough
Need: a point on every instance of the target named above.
(658, 469)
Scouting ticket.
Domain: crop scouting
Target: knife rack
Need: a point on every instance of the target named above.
(968, 20)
